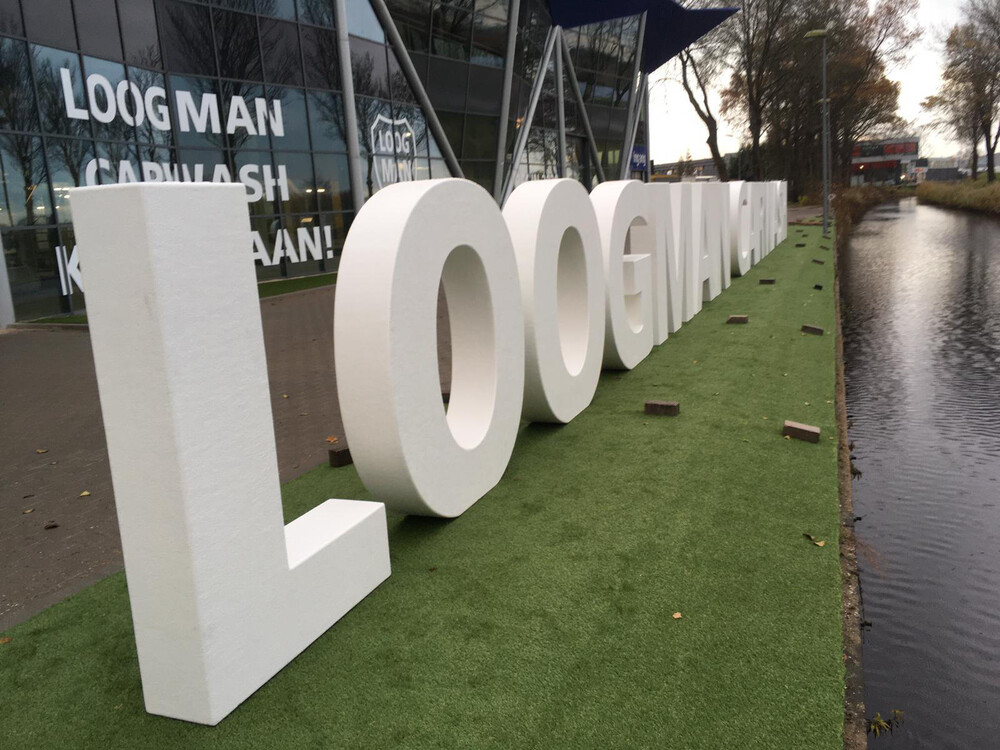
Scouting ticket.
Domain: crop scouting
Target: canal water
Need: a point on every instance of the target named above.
(921, 295)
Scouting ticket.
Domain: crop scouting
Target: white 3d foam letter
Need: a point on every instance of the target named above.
(758, 222)
(223, 594)
(782, 211)
(664, 202)
(623, 217)
(692, 233)
(741, 252)
(714, 239)
(558, 248)
(410, 453)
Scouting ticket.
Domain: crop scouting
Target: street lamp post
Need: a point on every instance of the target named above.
(822, 34)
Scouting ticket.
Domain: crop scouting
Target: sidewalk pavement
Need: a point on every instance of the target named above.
(54, 539)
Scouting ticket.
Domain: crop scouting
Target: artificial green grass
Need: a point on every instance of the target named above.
(297, 284)
(542, 617)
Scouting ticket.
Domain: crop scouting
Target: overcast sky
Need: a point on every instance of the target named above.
(675, 128)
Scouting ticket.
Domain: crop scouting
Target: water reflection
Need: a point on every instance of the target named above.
(921, 291)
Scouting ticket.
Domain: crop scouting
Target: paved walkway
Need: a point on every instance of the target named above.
(802, 213)
(53, 542)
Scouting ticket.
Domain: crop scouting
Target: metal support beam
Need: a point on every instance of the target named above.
(529, 116)
(508, 78)
(416, 85)
(649, 145)
(582, 107)
(633, 103)
(630, 135)
(350, 105)
(560, 108)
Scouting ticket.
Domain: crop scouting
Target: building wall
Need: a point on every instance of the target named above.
(106, 91)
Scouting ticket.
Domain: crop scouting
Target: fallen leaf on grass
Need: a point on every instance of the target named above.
(814, 540)
(41, 450)
(820, 543)
(5, 641)
(333, 439)
(85, 493)
(788, 437)
(677, 615)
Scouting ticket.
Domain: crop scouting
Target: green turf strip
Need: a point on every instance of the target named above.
(543, 616)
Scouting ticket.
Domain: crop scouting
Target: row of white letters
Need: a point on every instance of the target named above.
(540, 298)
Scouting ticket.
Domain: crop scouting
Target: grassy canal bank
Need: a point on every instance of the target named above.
(544, 616)
(980, 195)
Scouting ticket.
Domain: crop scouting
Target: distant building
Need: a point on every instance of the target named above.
(885, 162)
(703, 169)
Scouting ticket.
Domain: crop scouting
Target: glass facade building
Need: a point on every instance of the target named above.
(263, 92)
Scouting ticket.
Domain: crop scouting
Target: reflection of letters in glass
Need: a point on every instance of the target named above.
(393, 150)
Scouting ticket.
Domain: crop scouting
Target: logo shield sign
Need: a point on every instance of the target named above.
(393, 150)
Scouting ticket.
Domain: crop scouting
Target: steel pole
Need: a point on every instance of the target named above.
(536, 92)
(350, 105)
(416, 85)
(560, 108)
(633, 110)
(508, 78)
(582, 108)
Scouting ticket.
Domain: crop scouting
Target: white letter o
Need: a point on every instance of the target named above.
(558, 248)
(410, 453)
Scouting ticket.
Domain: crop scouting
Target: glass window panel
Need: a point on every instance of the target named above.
(301, 183)
(480, 137)
(326, 121)
(373, 114)
(48, 64)
(439, 169)
(451, 32)
(139, 38)
(27, 189)
(237, 44)
(247, 6)
(155, 129)
(97, 27)
(199, 165)
(34, 275)
(277, 8)
(68, 161)
(17, 100)
(293, 116)
(250, 168)
(401, 92)
(267, 228)
(453, 126)
(279, 43)
(369, 68)
(446, 84)
(319, 52)
(10, 18)
(489, 41)
(121, 163)
(252, 134)
(112, 73)
(496, 8)
(204, 92)
(485, 90)
(414, 36)
(186, 36)
(414, 117)
(318, 12)
(480, 172)
(362, 21)
(50, 22)
(333, 182)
